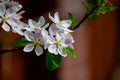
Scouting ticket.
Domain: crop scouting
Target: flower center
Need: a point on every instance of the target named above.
(37, 25)
(58, 42)
(61, 22)
(36, 41)
(4, 19)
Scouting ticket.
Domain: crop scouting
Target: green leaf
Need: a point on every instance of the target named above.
(22, 42)
(93, 16)
(52, 61)
(110, 8)
(73, 19)
(86, 5)
(89, 8)
(70, 51)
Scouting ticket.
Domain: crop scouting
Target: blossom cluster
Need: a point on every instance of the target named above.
(54, 36)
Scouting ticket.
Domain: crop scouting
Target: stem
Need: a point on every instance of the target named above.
(84, 18)
(10, 50)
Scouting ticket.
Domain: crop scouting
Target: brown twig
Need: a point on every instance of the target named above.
(84, 18)
(10, 50)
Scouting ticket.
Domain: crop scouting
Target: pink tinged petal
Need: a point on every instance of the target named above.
(38, 50)
(10, 13)
(53, 49)
(38, 33)
(2, 10)
(18, 16)
(56, 16)
(28, 48)
(29, 35)
(71, 45)
(51, 18)
(53, 29)
(41, 21)
(17, 7)
(6, 27)
(68, 39)
(12, 22)
(66, 23)
(60, 51)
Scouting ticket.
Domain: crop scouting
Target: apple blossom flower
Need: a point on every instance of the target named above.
(33, 25)
(63, 25)
(37, 40)
(9, 17)
(58, 43)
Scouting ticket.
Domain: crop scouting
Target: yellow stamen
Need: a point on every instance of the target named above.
(37, 25)
(4, 19)
(36, 41)
(61, 22)
(58, 42)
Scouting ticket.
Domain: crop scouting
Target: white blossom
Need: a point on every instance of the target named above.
(63, 25)
(33, 25)
(10, 17)
(58, 42)
(37, 41)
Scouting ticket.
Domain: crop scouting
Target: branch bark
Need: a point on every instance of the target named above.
(10, 50)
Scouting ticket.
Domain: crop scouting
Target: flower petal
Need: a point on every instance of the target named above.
(66, 23)
(2, 10)
(29, 35)
(56, 16)
(18, 15)
(16, 30)
(15, 5)
(53, 29)
(38, 50)
(28, 48)
(10, 13)
(58, 36)
(59, 26)
(60, 51)
(41, 21)
(46, 26)
(32, 23)
(6, 27)
(53, 49)
(51, 18)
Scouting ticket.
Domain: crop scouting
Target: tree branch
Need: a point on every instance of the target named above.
(10, 50)
(84, 18)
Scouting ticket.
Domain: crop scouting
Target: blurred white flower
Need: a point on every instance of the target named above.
(58, 42)
(63, 25)
(10, 3)
(37, 40)
(10, 17)
(33, 25)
